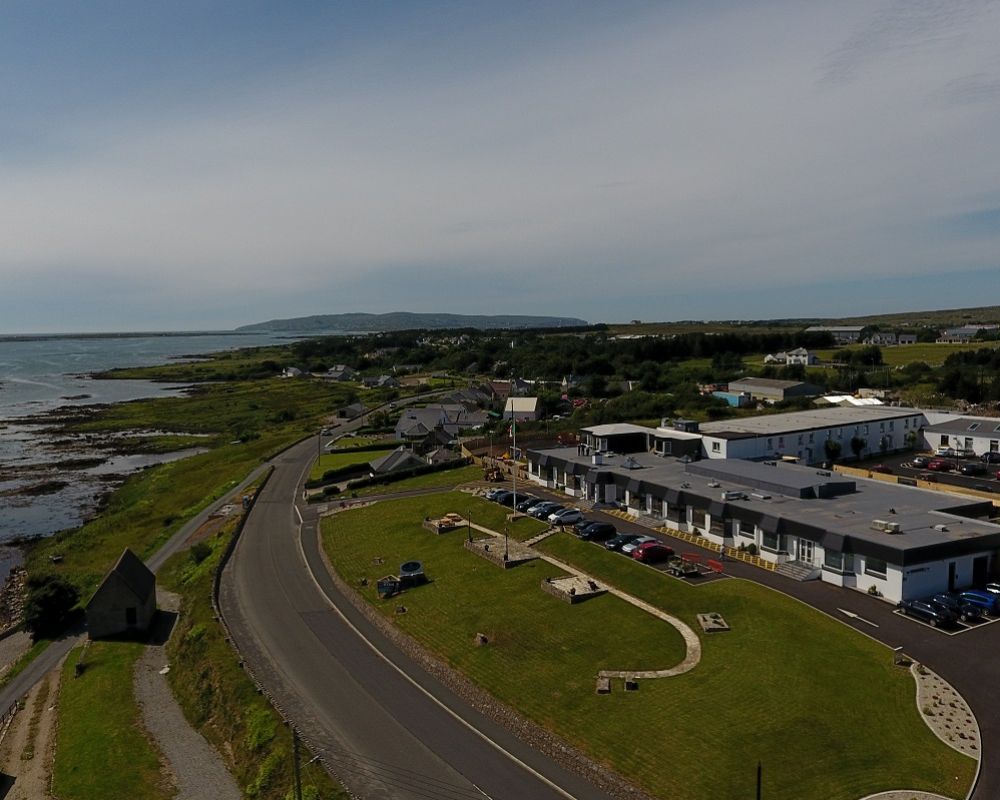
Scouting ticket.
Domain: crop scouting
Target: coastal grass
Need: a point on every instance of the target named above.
(217, 696)
(233, 365)
(542, 653)
(786, 686)
(102, 750)
(337, 459)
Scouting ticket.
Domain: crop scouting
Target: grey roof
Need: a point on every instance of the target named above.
(814, 419)
(840, 520)
(617, 429)
(768, 383)
(400, 458)
(836, 328)
(131, 570)
(969, 426)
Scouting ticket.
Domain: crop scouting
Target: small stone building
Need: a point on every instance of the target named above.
(125, 601)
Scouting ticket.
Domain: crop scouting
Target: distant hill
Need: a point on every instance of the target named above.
(406, 320)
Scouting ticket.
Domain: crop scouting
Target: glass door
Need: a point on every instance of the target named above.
(806, 551)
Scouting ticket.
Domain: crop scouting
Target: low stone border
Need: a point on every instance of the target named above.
(946, 712)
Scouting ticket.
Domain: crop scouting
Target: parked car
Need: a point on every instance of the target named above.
(993, 588)
(543, 511)
(941, 465)
(945, 452)
(965, 611)
(972, 468)
(566, 516)
(881, 468)
(652, 552)
(987, 601)
(503, 497)
(628, 549)
(990, 457)
(491, 494)
(597, 532)
(537, 506)
(508, 499)
(920, 461)
(616, 543)
(928, 612)
(526, 503)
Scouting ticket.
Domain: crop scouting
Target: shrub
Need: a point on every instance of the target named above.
(48, 609)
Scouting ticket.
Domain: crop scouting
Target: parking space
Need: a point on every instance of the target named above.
(901, 464)
(951, 630)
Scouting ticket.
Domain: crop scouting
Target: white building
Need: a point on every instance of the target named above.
(523, 409)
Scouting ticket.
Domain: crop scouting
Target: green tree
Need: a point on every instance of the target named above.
(48, 609)
(858, 445)
(832, 449)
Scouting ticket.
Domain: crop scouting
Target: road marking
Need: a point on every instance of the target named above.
(858, 617)
(430, 696)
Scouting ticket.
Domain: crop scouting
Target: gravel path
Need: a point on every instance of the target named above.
(197, 768)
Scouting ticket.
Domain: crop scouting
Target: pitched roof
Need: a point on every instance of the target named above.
(131, 570)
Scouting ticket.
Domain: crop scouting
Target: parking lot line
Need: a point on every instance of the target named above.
(963, 627)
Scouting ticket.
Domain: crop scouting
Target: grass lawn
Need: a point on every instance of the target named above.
(820, 705)
(432, 480)
(337, 459)
(102, 751)
(931, 353)
(543, 654)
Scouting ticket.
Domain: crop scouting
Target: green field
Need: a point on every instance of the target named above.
(101, 748)
(432, 480)
(820, 705)
(930, 353)
(338, 459)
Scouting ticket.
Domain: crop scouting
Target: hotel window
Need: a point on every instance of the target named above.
(875, 566)
(810, 438)
(745, 529)
(769, 541)
(781, 442)
(906, 423)
(800, 438)
(770, 444)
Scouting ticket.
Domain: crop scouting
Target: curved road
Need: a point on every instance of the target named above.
(385, 727)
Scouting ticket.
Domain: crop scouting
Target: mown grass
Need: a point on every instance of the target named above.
(931, 353)
(786, 686)
(432, 480)
(338, 459)
(217, 696)
(101, 748)
(543, 654)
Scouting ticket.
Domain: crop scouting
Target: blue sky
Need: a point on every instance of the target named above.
(206, 165)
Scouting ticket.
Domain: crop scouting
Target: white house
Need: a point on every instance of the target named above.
(522, 409)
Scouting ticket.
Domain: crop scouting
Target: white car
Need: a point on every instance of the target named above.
(566, 516)
(631, 546)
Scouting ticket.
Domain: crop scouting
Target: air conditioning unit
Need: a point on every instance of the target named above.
(730, 495)
(879, 524)
(940, 527)
(893, 527)
(760, 496)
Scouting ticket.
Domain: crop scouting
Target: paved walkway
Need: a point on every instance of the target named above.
(197, 768)
(691, 640)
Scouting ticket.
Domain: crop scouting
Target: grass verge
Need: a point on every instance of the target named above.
(339, 459)
(101, 748)
(217, 696)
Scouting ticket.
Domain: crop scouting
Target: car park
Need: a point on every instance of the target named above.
(597, 532)
(566, 516)
(616, 543)
(965, 611)
(931, 614)
(941, 465)
(920, 462)
(987, 601)
(652, 552)
(628, 549)
(972, 468)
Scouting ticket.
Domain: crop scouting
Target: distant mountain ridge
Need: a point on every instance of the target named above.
(407, 320)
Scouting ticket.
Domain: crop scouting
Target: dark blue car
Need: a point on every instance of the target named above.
(988, 602)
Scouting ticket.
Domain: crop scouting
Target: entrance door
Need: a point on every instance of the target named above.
(806, 551)
(951, 576)
(980, 566)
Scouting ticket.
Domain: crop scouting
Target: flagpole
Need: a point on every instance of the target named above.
(513, 426)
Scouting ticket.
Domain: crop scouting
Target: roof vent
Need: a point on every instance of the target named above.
(940, 527)
(733, 495)
(714, 484)
(760, 496)
(893, 527)
(878, 524)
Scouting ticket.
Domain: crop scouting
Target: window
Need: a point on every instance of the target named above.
(130, 616)
(994, 445)
(973, 426)
(769, 541)
(770, 444)
(944, 440)
(875, 566)
(906, 423)
(800, 439)
(892, 424)
(745, 529)
(781, 442)
(833, 560)
(810, 438)
(716, 447)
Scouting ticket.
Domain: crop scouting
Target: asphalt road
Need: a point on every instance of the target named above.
(382, 724)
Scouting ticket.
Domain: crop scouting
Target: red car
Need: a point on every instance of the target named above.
(881, 468)
(940, 465)
(650, 552)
